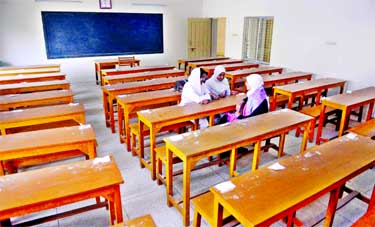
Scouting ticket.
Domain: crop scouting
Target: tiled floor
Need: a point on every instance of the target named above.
(141, 195)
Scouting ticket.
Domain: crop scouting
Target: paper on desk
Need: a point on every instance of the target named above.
(81, 126)
(276, 166)
(225, 187)
(19, 110)
(73, 104)
(351, 136)
(240, 94)
(308, 154)
(101, 160)
(145, 111)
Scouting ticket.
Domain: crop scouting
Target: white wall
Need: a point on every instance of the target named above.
(331, 38)
(22, 41)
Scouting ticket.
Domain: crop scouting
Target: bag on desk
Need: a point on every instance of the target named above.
(179, 85)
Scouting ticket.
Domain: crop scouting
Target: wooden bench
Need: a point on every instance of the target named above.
(143, 221)
(368, 219)
(41, 115)
(31, 78)
(56, 186)
(204, 207)
(123, 61)
(24, 67)
(44, 98)
(365, 129)
(7, 89)
(44, 146)
(314, 112)
(134, 134)
(18, 71)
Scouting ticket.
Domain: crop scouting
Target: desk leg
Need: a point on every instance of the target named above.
(290, 102)
(218, 214)
(332, 204)
(256, 155)
(344, 120)
(2, 171)
(274, 99)
(280, 153)
(153, 132)
(321, 123)
(127, 129)
(105, 108)
(372, 199)
(91, 150)
(233, 161)
(111, 115)
(169, 175)
(120, 119)
(306, 133)
(141, 143)
(232, 84)
(97, 70)
(211, 120)
(118, 206)
(369, 113)
(186, 192)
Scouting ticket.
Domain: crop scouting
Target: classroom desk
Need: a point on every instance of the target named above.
(193, 65)
(41, 115)
(111, 91)
(265, 196)
(158, 118)
(7, 89)
(8, 102)
(26, 67)
(238, 74)
(193, 146)
(128, 104)
(55, 186)
(126, 70)
(32, 78)
(303, 88)
(365, 129)
(346, 103)
(367, 220)
(15, 72)
(132, 77)
(48, 142)
(101, 64)
(230, 67)
(186, 61)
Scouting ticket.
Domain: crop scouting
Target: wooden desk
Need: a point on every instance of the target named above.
(193, 65)
(158, 118)
(111, 91)
(238, 74)
(365, 129)
(132, 77)
(56, 186)
(126, 70)
(43, 98)
(26, 67)
(15, 72)
(7, 89)
(303, 88)
(230, 67)
(101, 64)
(186, 61)
(193, 146)
(40, 115)
(31, 78)
(346, 103)
(264, 196)
(367, 220)
(128, 104)
(52, 142)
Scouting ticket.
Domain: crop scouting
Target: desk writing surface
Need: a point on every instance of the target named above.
(33, 77)
(145, 74)
(365, 129)
(265, 193)
(311, 84)
(235, 65)
(40, 112)
(7, 99)
(28, 71)
(192, 143)
(285, 76)
(144, 96)
(168, 113)
(216, 62)
(119, 86)
(202, 59)
(65, 180)
(29, 66)
(45, 138)
(33, 84)
(355, 97)
(124, 69)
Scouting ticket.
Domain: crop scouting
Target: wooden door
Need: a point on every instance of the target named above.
(199, 37)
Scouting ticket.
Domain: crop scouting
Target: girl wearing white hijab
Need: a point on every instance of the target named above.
(218, 85)
(255, 102)
(195, 91)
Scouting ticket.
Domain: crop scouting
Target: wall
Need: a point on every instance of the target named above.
(22, 40)
(330, 38)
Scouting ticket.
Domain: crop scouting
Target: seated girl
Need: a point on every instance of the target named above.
(218, 85)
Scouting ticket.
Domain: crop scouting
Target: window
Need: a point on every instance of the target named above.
(257, 39)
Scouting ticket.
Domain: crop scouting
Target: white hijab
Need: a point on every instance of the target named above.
(193, 90)
(194, 81)
(216, 86)
(255, 81)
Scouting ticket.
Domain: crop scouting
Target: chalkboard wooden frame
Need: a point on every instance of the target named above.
(87, 34)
